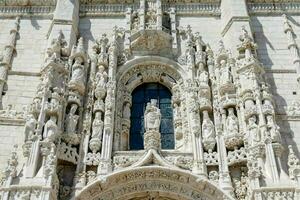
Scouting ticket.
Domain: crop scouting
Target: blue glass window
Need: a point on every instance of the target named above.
(140, 97)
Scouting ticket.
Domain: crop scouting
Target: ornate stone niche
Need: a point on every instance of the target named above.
(133, 77)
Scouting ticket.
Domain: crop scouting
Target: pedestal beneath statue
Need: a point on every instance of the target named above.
(152, 140)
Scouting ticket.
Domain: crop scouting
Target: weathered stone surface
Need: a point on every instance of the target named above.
(67, 72)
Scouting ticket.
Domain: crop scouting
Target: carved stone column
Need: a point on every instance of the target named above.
(6, 59)
(173, 30)
(199, 166)
(224, 176)
(141, 14)
(105, 165)
(158, 15)
(292, 45)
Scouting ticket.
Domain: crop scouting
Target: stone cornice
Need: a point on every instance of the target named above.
(120, 9)
(12, 121)
(93, 2)
(27, 2)
(281, 71)
(12, 11)
(271, 7)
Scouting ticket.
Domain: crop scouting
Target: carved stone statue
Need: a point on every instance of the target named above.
(152, 116)
(51, 129)
(208, 131)
(225, 74)
(101, 79)
(72, 119)
(97, 126)
(254, 132)
(30, 126)
(126, 111)
(273, 129)
(202, 76)
(97, 130)
(77, 79)
(232, 124)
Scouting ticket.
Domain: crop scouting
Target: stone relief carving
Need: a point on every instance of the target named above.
(223, 115)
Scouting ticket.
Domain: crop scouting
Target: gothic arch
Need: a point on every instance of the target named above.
(165, 182)
(141, 70)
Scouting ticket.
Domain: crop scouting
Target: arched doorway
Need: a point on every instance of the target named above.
(140, 97)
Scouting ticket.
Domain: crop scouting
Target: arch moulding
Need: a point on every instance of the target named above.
(149, 69)
(166, 182)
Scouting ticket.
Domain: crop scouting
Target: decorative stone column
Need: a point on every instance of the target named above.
(6, 58)
(105, 164)
(292, 45)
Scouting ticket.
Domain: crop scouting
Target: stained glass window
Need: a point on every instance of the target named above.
(140, 97)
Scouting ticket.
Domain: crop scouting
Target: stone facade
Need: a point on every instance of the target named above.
(67, 72)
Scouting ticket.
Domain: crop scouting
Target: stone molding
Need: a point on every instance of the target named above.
(12, 11)
(212, 9)
(117, 184)
(279, 7)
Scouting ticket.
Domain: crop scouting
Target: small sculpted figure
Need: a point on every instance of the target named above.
(152, 116)
(232, 123)
(208, 128)
(30, 126)
(254, 132)
(72, 119)
(51, 129)
(126, 111)
(97, 126)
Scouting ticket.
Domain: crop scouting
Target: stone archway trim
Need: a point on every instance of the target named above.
(175, 182)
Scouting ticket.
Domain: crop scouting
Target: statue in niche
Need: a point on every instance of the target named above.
(273, 129)
(208, 131)
(101, 80)
(126, 111)
(202, 75)
(51, 129)
(72, 119)
(232, 123)
(30, 126)
(253, 130)
(77, 78)
(190, 55)
(135, 21)
(152, 116)
(177, 113)
(97, 127)
(225, 74)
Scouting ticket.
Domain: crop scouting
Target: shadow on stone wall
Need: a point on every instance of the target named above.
(287, 133)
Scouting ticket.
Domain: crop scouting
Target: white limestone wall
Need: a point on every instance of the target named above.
(31, 44)
(30, 47)
(274, 54)
(9, 136)
(92, 28)
(23, 77)
(21, 90)
(208, 27)
(272, 43)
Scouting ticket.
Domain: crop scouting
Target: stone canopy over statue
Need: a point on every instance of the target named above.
(152, 116)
